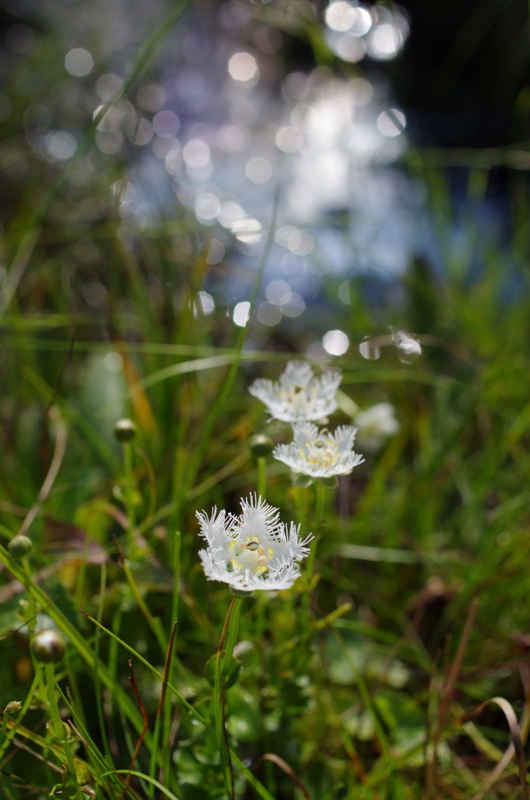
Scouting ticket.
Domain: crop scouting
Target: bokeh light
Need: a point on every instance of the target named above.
(335, 342)
(243, 68)
(78, 62)
(241, 313)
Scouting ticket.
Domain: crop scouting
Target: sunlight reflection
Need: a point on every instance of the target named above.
(335, 343)
(144, 132)
(204, 305)
(196, 154)
(61, 145)
(289, 139)
(247, 230)
(78, 62)
(391, 122)
(278, 292)
(151, 97)
(269, 314)
(369, 349)
(344, 16)
(207, 207)
(243, 68)
(216, 252)
(107, 85)
(294, 307)
(166, 123)
(258, 169)
(355, 30)
(241, 313)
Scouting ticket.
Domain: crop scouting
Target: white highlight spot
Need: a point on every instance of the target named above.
(196, 153)
(113, 362)
(391, 122)
(258, 169)
(243, 68)
(166, 123)
(204, 305)
(241, 313)
(78, 62)
(61, 145)
(335, 342)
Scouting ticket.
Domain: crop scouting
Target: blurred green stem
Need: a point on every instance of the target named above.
(129, 494)
(319, 517)
(229, 634)
(10, 735)
(59, 728)
(262, 477)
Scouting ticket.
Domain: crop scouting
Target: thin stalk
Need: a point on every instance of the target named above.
(320, 504)
(310, 563)
(129, 486)
(173, 664)
(229, 633)
(97, 683)
(262, 476)
(4, 744)
(58, 726)
(163, 719)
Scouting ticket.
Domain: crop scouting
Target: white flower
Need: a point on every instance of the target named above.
(318, 453)
(254, 550)
(299, 394)
(375, 425)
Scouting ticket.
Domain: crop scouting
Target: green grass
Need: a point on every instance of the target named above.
(367, 681)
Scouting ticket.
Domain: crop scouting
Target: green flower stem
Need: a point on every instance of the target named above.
(262, 477)
(129, 487)
(310, 563)
(229, 634)
(320, 505)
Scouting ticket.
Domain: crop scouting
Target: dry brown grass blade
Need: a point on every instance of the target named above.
(53, 470)
(142, 407)
(516, 747)
(284, 766)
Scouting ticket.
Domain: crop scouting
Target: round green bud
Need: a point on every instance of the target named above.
(82, 771)
(260, 445)
(13, 707)
(125, 430)
(20, 546)
(48, 646)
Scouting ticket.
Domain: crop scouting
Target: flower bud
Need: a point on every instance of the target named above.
(82, 772)
(48, 646)
(260, 445)
(13, 707)
(125, 430)
(20, 546)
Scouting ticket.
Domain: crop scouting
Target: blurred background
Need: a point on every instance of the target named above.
(394, 135)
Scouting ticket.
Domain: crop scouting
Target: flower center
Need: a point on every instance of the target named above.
(250, 555)
(297, 397)
(321, 452)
